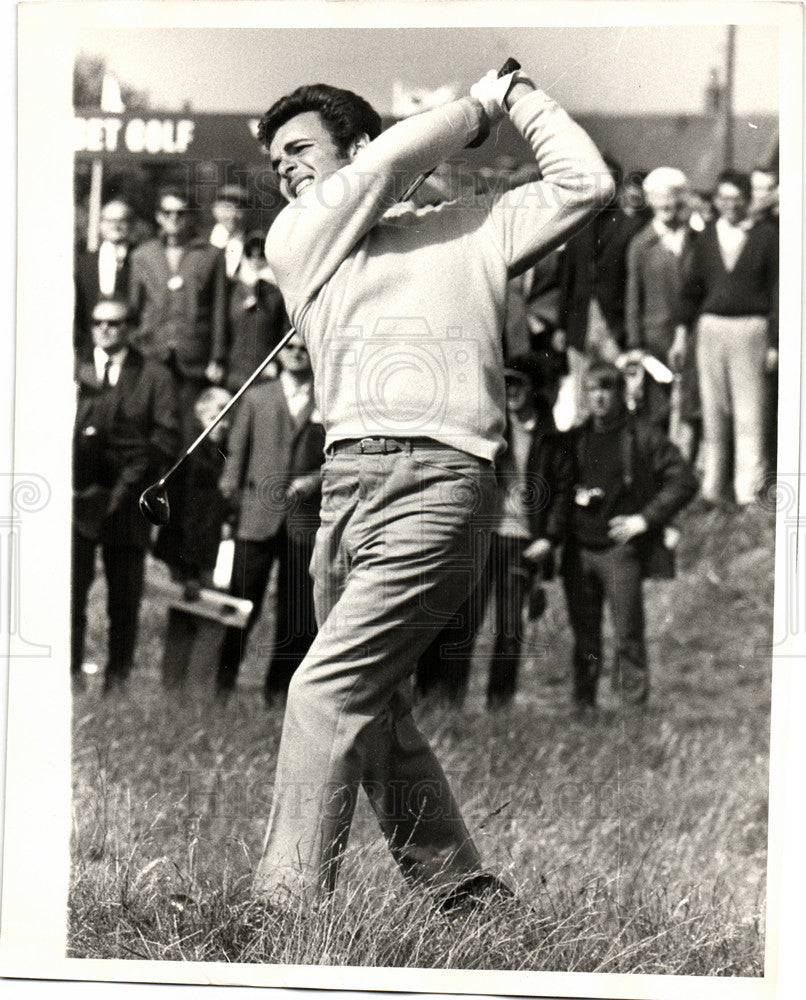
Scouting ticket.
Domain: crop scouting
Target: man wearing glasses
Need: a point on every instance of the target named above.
(126, 434)
(178, 293)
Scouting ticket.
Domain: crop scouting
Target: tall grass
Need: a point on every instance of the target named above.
(636, 841)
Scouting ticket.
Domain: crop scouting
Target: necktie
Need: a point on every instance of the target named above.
(106, 383)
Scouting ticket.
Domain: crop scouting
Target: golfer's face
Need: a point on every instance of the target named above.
(303, 153)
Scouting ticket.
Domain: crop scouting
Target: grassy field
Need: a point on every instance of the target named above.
(637, 842)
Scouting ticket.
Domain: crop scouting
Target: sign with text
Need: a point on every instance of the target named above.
(160, 135)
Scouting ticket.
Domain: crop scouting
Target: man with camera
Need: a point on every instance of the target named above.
(408, 482)
(629, 482)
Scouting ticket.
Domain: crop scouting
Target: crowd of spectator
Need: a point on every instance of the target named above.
(643, 349)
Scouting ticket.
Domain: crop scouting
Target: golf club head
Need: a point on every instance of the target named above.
(154, 505)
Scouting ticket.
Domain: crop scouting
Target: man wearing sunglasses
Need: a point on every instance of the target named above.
(126, 434)
(178, 294)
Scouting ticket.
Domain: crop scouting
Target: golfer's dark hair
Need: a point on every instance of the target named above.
(737, 179)
(345, 115)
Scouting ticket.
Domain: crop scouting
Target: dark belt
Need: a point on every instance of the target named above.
(382, 445)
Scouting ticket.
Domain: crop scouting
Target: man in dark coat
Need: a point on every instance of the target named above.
(126, 434)
(630, 481)
(272, 476)
(102, 273)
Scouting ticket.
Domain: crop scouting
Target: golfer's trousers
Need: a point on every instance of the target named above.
(402, 540)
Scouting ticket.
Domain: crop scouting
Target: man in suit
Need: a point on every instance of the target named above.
(125, 435)
(591, 302)
(102, 273)
(228, 233)
(272, 475)
(178, 293)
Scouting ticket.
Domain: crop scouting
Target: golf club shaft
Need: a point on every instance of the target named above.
(509, 67)
(217, 420)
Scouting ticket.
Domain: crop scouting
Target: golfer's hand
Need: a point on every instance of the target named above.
(214, 372)
(538, 550)
(771, 360)
(492, 92)
(626, 526)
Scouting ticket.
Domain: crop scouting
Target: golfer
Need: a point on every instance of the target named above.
(401, 309)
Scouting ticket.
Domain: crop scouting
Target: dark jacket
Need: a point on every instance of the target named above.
(267, 450)
(87, 295)
(257, 321)
(656, 482)
(125, 437)
(750, 289)
(594, 265)
(186, 323)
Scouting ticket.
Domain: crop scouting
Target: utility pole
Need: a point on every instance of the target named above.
(727, 98)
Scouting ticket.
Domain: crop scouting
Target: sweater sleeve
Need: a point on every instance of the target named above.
(531, 219)
(313, 234)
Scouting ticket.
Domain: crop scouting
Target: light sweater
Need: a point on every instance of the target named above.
(402, 308)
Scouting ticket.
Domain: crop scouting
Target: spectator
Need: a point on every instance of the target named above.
(257, 319)
(272, 477)
(655, 261)
(629, 482)
(125, 436)
(535, 483)
(764, 193)
(764, 205)
(228, 234)
(632, 197)
(178, 292)
(592, 287)
(731, 293)
(532, 305)
(189, 542)
(103, 273)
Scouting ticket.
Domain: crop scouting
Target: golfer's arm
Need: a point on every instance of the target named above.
(575, 183)
(313, 235)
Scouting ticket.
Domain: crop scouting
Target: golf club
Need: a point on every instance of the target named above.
(154, 504)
